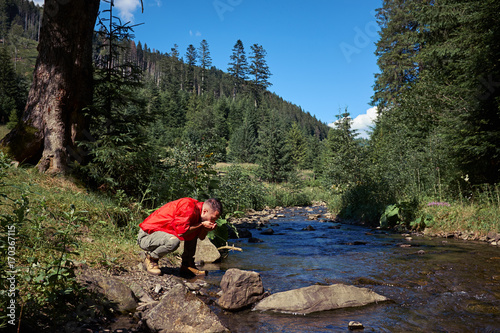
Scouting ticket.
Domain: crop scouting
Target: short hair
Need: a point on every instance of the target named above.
(215, 204)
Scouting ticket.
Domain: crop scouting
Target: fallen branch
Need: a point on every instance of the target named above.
(229, 247)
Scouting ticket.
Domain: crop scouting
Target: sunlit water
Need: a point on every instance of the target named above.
(437, 285)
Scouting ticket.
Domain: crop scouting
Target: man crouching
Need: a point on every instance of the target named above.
(185, 220)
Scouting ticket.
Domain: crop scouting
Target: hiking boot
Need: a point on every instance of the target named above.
(191, 271)
(151, 265)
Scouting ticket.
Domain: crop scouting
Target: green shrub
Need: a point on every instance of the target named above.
(238, 191)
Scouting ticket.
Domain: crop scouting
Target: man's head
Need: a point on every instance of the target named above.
(211, 210)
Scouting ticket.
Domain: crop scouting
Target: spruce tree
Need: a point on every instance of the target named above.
(238, 67)
(191, 59)
(396, 50)
(342, 153)
(275, 161)
(12, 92)
(260, 72)
(205, 62)
(298, 144)
(243, 146)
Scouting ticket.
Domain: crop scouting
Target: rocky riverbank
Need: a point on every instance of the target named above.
(264, 219)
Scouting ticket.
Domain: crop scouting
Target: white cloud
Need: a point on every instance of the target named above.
(39, 2)
(363, 122)
(127, 9)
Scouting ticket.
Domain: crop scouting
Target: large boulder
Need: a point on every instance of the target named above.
(318, 298)
(118, 293)
(206, 251)
(181, 311)
(240, 289)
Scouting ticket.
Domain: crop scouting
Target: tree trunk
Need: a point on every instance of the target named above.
(62, 86)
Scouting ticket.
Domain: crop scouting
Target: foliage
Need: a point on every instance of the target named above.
(401, 213)
(220, 235)
(342, 155)
(12, 91)
(188, 171)
(36, 256)
(274, 158)
(119, 155)
(238, 191)
(286, 195)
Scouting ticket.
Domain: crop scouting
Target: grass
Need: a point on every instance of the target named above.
(3, 131)
(106, 229)
(475, 217)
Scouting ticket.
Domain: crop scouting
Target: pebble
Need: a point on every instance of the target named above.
(355, 325)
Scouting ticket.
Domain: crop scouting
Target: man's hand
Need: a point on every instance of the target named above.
(209, 225)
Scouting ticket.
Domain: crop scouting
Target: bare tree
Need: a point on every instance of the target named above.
(53, 118)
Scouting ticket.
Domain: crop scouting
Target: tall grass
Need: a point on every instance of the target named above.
(478, 213)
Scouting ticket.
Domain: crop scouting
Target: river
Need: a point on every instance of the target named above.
(437, 285)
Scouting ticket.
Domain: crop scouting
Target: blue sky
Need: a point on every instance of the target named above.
(320, 52)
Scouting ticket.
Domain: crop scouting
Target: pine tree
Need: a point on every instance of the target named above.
(298, 144)
(116, 154)
(260, 72)
(397, 49)
(12, 97)
(462, 55)
(191, 59)
(243, 146)
(275, 160)
(205, 62)
(342, 163)
(238, 67)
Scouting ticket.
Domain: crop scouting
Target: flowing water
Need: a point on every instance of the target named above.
(437, 285)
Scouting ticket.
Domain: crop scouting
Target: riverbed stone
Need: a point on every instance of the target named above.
(118, 293)
(140, 293)
(355, 325)
(268, 231)
(181, 311)
(240, 289)
(319, 298)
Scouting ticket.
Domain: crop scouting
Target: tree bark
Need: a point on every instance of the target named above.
(62, 87)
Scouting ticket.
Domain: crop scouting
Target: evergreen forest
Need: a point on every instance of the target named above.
(167, 124)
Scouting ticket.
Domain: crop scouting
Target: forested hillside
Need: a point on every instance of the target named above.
(19, 29)
(153, 112)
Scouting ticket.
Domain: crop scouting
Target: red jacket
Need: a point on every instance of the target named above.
(175, 218)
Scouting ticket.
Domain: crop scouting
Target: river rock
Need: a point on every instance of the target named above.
(240, 289)
(242, 233)
(181, 311)
(206, 251)
(140, 293)
(117, 293)
(255, 240)
(268, 231)
(318, 298)
(308, 228)
(355, 325)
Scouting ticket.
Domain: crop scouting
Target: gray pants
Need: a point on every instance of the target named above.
(159, 243)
